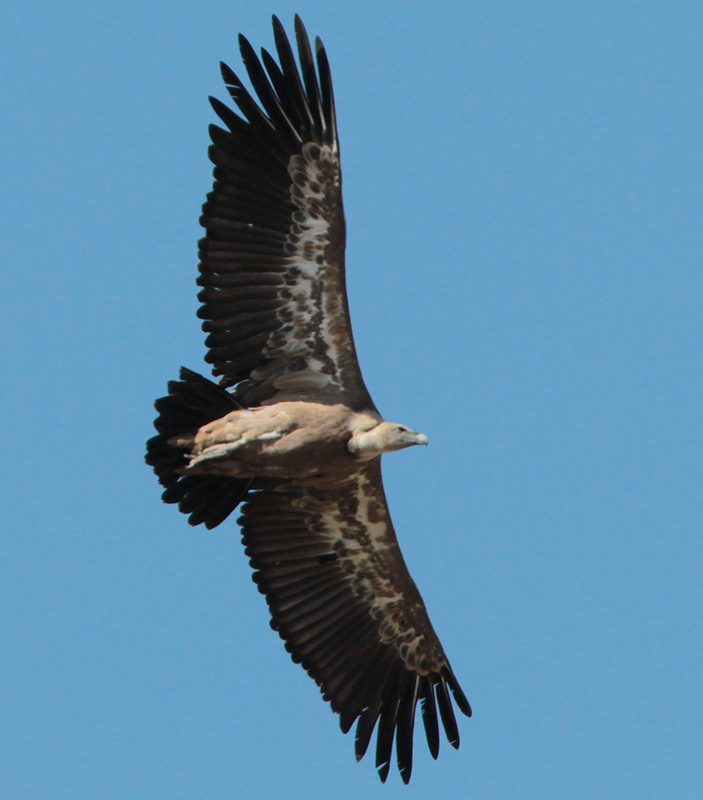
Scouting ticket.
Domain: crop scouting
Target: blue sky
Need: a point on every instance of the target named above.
(523, 197)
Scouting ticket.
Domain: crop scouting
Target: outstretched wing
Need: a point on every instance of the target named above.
(272, 262)
(341, 597)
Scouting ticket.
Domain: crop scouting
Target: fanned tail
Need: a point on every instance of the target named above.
(191, 403)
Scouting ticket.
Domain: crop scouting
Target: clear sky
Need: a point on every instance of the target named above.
(523, 196)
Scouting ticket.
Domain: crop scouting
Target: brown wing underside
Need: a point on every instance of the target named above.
(341, 597)
(272, 261)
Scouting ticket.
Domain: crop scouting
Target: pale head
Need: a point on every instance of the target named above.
(384, 438)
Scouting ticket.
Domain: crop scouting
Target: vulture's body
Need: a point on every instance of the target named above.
(291, 431)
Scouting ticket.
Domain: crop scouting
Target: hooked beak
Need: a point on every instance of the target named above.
(420, 438)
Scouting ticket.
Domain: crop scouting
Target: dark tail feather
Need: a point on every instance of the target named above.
(191, 403)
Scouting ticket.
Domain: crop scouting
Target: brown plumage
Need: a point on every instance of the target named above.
(291, 431)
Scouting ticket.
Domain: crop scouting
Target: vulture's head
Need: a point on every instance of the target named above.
(384, 438)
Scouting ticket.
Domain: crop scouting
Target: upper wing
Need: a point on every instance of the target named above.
(341, 597)
(272, 262)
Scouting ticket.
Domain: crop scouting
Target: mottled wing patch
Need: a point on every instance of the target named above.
(272, 261)
(341, 597)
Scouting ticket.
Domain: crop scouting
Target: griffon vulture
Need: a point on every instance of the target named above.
(291, 430)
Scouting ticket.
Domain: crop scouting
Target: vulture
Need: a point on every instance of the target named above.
(290, 432)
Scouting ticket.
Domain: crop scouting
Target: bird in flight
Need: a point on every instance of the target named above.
(291, 432)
